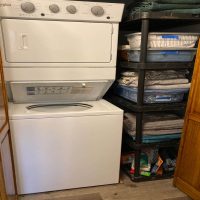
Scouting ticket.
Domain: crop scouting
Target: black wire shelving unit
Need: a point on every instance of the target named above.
(143, 21)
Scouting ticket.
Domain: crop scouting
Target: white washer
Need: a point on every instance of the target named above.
(66, 147)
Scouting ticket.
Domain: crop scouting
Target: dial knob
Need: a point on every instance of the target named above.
(71, 9)
(54, 8)
(97, 11)
(28, 7)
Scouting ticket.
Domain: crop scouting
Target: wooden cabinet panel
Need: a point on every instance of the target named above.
(7, 165)
(7, 180)
(189, 162)
(187, 175)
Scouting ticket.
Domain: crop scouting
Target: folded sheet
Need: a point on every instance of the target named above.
(168, 87)
(153, 132)
(157, 6)
(159, 138)
(169, 79)
(133, 81)
(185, 11)
(152, 5)
(152, 121)
(158, 75)
(177, 1)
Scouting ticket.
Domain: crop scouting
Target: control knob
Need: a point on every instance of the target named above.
(54, 8)
(28, 7)
(97, 11)
(71, 9)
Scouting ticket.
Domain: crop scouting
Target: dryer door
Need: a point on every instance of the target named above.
(37, 41)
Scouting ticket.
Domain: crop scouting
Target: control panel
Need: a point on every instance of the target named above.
(47, 90)
(61, 9)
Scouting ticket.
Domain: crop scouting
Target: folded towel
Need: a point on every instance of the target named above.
(168, 87)
(169, 79)
(132, 81)
(153, 132)
(159, 138)
(185, 11)
(154, 6)
(177, 1)
(158, 75)
(181, 6)
(163, 87)
(152, 121)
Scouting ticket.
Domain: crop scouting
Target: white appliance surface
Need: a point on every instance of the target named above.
(59, 74)
(65, 148)
(58, 91)
(59, 33)
(53, 49)
(35, 41)
(62, 10)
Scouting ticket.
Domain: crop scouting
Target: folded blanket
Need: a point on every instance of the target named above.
(181, 6)
(168, 87)
(158, 75)
(154, 6)
(152, 121)
(159, 138)
(153, 132)
(133, 81)
(169, 79)
(162, 87)
(177, 1)
(185, 11)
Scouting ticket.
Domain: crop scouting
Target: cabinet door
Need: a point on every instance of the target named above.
(187, 175)
(7, 183)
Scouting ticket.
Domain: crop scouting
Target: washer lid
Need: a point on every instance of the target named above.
(90, 108)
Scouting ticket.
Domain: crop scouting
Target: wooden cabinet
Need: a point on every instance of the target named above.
(7, 182)
(187, 175)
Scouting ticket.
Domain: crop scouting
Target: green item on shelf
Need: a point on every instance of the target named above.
(144, 163)
(143, 173)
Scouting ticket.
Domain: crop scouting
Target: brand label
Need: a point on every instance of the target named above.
(5, 4)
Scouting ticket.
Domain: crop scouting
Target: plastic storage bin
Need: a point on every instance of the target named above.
(152, 96)
(164, 40)
(163, 55)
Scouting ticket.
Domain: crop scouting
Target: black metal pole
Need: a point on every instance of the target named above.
(144, 40)
(140, 96)
(143, 59)
(139, 126)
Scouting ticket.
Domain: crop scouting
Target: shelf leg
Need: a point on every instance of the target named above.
(144, 40)
(143, 58)
(139, 127)
(141, 80)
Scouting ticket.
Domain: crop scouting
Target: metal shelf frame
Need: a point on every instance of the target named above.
(154, 66)
(139, 108)
(164, 16)
(146, 178)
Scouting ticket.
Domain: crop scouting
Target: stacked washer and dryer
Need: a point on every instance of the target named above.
(59, 59)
